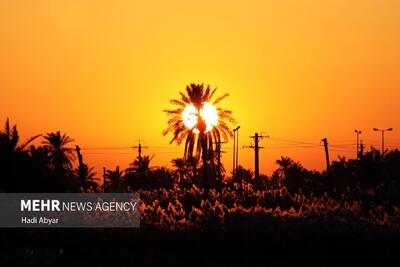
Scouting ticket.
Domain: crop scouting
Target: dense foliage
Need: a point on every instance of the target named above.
(353, 213)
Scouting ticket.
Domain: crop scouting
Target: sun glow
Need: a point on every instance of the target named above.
(208, 113)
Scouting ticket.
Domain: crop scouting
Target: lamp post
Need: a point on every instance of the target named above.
(383, 137)
(358, 132)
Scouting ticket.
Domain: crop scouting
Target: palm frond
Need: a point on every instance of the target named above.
(212, 94)
(29, 141)
(178, 102)
(197, 94)
(173, 111)
(219, 99)
(7, 128)
(184, 98)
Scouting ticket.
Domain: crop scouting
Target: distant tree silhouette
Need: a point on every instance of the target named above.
(391, 165)
(291, 174)
(193, 167)
(9, 139)
(161, 177)
(138, 174)
(241, 175)
(284, 163)
(373, 179)
(86, 177)
(40, 172)
(185, 171)
(201, 143)
(141, 166)
(60, 155)
(261, 183)
(14, 158)
(114, 180)
(180, 170)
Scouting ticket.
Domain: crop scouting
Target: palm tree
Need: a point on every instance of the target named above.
(14, 158)
(86, 176)
(292, 173)
(61, 156)
(198, 139)
(192, 164)
(284, 163)
(9, 139)
(114, 179)
(180, 170)
(161, 177)
(184, 170)
(141, 165)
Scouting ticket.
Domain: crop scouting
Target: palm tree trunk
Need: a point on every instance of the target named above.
(204, 158)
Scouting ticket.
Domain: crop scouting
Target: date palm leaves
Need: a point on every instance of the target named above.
(197, 95)
(60, 155)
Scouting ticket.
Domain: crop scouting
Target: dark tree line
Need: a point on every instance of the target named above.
(51, 166)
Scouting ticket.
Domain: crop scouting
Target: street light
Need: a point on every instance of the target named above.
(358, 132)
(383, 137)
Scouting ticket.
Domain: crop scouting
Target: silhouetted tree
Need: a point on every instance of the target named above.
(114, 180)
(40, 179)
(291, 174)
(241, 175)
(14, 159)
(284, 163)
(86, 177)
(137, 175)
(140, 166)
(181, 171)
(161, 178)
(61, 156)
(261, 183)
(198, 139)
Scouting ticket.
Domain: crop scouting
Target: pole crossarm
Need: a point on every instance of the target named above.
(139, 148)
(257, 138)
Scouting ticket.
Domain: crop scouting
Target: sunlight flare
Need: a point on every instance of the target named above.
(208, 113)
(189, 116)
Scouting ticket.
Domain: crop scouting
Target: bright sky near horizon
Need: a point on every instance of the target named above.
(103, 71)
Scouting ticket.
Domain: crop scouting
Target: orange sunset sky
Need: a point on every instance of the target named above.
(103, 71)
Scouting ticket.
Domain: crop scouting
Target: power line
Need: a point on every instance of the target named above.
(105, 148)
(292, 141)
(281, 144)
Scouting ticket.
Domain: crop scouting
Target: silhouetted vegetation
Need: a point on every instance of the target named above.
(357, 206)
(201, 138)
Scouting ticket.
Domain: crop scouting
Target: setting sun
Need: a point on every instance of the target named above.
(263, 132)
(189, 116)
(210, 116)
(208, 113)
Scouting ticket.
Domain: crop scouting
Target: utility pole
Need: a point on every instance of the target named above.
(235, 150)
(219, 175)
(234, 153)
(361, 152)
(358, 132)
(139, 147)
(257, 138)
(104, 179)
(328, 165)
(237, 147)
(78, 152)
(80, 160)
